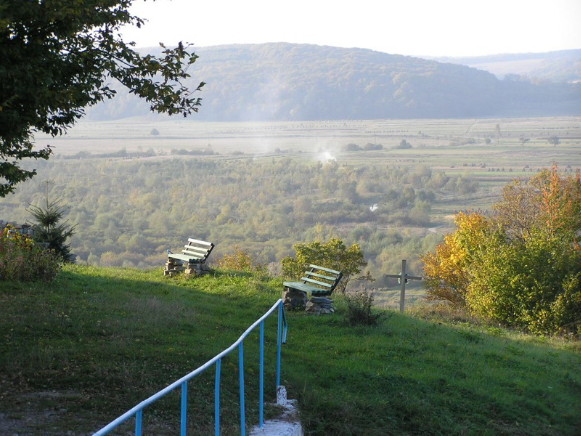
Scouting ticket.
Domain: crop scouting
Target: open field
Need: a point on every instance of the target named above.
(311, 136)
(79, 352)
(515, 147)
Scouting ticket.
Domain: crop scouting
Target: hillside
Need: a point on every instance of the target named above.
(558, 66)
(79, 352)
(281, 81)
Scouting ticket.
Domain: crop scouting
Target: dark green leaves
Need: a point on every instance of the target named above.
(59, 56)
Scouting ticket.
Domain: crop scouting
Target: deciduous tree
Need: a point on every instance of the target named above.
(521, 266)
(59, 57)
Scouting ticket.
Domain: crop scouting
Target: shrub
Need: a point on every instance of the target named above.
(531, 284)
(359, 306)
(23, 260)
(240, 260)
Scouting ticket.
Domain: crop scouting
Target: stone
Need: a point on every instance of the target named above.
(294, 299)
(320, 306)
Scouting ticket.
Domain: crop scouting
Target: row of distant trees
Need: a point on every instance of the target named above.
(128, 212)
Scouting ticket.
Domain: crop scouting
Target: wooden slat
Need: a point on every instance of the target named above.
(192, 249)
(324, 269)
(184, 257)
(327, 285)
(195, 255)
(197, 241)
(307, 288)
(321, 276)
(322, 292)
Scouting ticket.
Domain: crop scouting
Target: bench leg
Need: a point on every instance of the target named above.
(172, 267)
(193, 269)
(294, 299)
(320, 306)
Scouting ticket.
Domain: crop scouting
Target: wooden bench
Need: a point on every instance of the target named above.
(317, 281)
(195, 254)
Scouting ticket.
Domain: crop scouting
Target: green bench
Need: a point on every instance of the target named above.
(195, 254)
(317, 281)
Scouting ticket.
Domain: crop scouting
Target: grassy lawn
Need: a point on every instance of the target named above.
(81, 351)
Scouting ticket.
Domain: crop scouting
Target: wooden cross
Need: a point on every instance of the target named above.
(403, 278)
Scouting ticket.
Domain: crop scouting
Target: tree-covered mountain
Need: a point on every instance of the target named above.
(281, 81)
(555, 66)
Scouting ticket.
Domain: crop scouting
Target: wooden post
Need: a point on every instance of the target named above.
(403, 278)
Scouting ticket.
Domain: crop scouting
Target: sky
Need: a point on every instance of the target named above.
(428, 28)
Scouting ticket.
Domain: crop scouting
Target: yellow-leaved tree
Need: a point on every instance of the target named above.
(446, 269)
(520, 266)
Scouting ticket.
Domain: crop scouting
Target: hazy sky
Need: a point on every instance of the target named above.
(408, 27)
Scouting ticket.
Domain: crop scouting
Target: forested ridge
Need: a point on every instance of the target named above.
(128, 212)
(281, 81)
(555, 66)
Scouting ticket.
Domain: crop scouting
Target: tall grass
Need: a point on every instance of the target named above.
(80, 351)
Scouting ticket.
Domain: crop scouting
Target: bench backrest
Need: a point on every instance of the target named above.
(198, 249)
(324, 278)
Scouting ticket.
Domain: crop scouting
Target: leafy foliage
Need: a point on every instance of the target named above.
(23, 260)
(446, 269)
(531, 284)
(240, 260)
(332, 254)
(57, 59)
(520, 267)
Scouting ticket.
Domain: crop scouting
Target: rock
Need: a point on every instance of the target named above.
(320, 306)
(294, 299)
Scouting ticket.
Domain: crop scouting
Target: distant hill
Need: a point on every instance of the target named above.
(281, 81)
(557, 66)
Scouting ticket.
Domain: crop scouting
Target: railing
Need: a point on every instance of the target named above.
(182, 383)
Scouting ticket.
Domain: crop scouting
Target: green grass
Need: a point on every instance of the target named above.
(81, 351)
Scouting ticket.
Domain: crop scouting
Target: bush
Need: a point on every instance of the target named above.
(22, 260)
(359, 306)
(531, 284)
(240, 260)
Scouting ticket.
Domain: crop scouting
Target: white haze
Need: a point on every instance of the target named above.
(411, 27)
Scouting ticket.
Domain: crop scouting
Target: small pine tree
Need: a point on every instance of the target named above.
(49, 230)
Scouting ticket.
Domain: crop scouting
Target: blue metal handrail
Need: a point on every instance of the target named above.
(137, 411)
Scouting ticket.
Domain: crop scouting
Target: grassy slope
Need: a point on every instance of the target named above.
(79, 352)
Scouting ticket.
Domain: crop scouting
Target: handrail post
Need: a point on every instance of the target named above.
(217, 397)
(261, 379)
(138, 423)
(241, 373)
(279, 344)
(184, 415)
